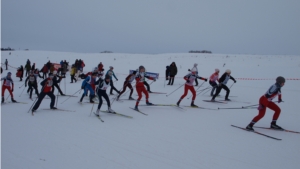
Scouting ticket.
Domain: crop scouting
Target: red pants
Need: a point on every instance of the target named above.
(264, 104)
(139, 90)
(192, 89)
(9, 90)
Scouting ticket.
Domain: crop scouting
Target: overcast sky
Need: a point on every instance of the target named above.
(153, 26)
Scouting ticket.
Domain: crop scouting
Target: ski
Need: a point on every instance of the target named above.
(98, 117)
(115, 113)
(216, 101)
(200, 107)
(18, 102)
(157, 92)
(68, 95)
(139, 111)
(60, 110)
(257, 132)
(290, 131)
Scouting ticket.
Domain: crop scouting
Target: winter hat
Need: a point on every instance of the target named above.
(141, 67)
(54, 72)
(228, 71)
(9, 74)
(195, 64)
(280, 80)
(110, 67)
(217, 70)
(194, 70)
(134, 72)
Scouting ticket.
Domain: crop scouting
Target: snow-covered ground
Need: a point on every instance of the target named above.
(168, 138)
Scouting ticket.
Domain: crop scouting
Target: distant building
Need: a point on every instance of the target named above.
(200, 51)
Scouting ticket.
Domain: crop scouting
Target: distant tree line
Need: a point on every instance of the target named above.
(200, 51)
(7, 49)
(106, 51)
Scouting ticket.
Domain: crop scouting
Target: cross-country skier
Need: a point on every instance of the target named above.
(111, 73)
(87, 85)
(127, 83)
(32, 83)
(140, 88)
(167, 72)
(195, 68)
(6, 85)
(222, 85)
(265, 102)
(101, 92)
(56, 81)
(6, 63)
(46, 90)
(72, 73)
(190, 78)
(212, 81)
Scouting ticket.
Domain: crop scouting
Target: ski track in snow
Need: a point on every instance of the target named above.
(168, 137)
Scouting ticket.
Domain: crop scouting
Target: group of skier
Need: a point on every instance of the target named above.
(97, 83)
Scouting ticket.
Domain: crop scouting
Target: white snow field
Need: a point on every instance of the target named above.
(168, 138)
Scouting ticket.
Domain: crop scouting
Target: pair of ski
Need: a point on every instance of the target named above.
(115, 113)
(16, 102)
(32, 112)
(290, 131)
(171, 105)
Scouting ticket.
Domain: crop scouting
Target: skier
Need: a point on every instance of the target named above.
(32, 83)
(195, 68)
(100, 66)
(36, 74)
(6, 63)
(33, 67)
(56, 81)
(27, 67)
(46, 90)
(212, 81)
(101, 92)
(173, 73)
(265, 102)
(87, 85)
(127, 83)
(111, 73)
(45, 71)
(167, 72)
(6, 85)
(190, 78)
(222, 85)
(140, 79)
(72, 73)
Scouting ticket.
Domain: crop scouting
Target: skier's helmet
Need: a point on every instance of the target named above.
(280, 80)
(228, 71)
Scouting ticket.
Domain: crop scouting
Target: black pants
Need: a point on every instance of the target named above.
(44, 75)
(41, 97)
(73, 78)
(126, 84)
(31, 87)
(171, 80)
(219, 90)
(112, 87)
(56, 85)
(147, 85)
(27, 73)
(102, 93)
(6, 66)
(214, 86)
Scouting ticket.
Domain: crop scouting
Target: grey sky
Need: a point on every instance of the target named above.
(153, 26)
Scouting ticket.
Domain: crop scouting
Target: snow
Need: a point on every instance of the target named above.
(168, 137)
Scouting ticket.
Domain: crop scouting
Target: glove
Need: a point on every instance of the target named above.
(279, 100)
(154, 79)
(188, 81)
(189, 70)
(82, 87)
(205, 80)
(12, 90)
(234, 81)
(117, 79)
(220, 84)
(25, 85)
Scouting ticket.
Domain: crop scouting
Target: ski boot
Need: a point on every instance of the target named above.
(212, 100)
(2, 100)
(110, 110)
(249, 128)
(53, 108)
(275, 126)
(13, 100)
(149, 104)
(130, 98)
(226, 99)
(136, 108)
(193, 105)
(97, 112)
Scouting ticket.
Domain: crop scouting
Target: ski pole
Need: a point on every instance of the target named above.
(239, 108)
(36, 99)
(7, 97)
(71, 96)
(174, 90)
(231, 85)
(57, 96)
(22, 85)
(22, 92)
(92, 109)
(205, 91)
